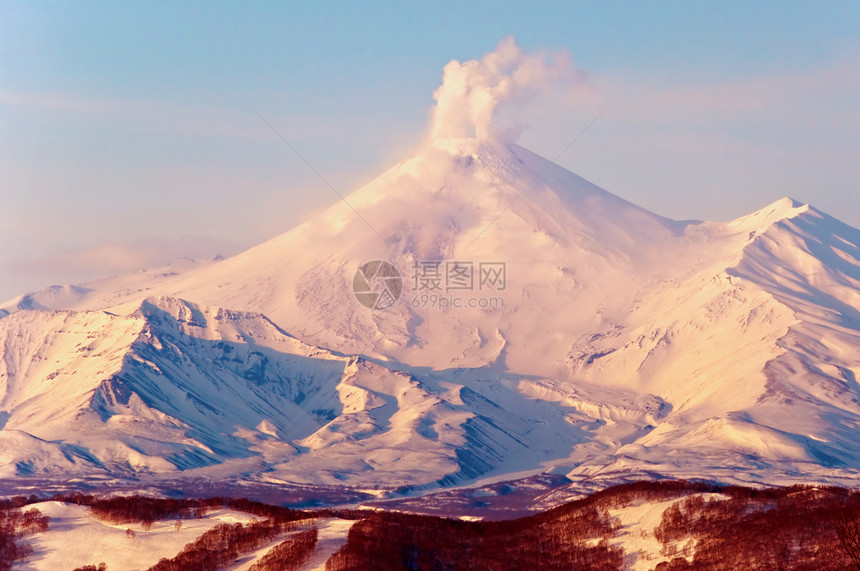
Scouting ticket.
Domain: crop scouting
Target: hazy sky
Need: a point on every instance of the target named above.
(129, 132)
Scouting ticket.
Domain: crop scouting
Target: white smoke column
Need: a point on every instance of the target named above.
(472, 92)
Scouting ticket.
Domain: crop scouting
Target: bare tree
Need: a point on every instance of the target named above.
(848, 531)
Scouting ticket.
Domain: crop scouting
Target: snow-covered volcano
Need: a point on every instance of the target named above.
(618, 343)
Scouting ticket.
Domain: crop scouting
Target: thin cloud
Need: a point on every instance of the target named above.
(116, 258)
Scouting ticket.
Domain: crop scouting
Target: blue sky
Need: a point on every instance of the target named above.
(134, 125)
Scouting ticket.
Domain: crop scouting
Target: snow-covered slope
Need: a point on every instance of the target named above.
(622, 343)
(175, 386)
(76, 538)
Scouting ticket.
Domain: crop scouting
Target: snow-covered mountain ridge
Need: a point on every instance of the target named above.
(626, 343)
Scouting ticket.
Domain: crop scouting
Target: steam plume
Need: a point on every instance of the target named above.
(472, 92)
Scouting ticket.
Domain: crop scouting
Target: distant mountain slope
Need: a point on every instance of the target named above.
(622, 343)
(175, 386)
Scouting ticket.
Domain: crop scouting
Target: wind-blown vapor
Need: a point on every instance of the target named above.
(472, 92)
